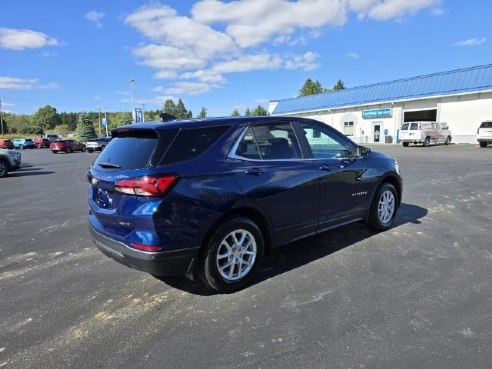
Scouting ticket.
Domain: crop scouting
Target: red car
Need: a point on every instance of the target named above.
(41, 142)
(66, 145)
(6, 144)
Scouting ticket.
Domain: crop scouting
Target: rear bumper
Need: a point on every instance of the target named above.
(156, 263)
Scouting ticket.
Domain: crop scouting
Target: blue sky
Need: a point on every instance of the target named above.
(224, 55)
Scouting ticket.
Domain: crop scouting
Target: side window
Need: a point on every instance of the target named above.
(444, 126)
(192, 142)
(404, 126)
(269, 142)
(414, 127)
(328, 145)
(248, 147)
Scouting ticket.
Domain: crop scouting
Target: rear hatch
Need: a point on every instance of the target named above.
(410, 131)
(485, 130)
(131, 154)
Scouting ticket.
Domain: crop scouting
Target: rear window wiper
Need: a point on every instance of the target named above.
(109, 165)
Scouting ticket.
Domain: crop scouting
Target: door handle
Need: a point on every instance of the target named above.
(254, 172)
(326, 168)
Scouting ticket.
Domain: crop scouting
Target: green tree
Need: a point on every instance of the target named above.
(311, 88)
(247, 113)
(260, 111)
(169, 107)
(235, 113)
(203, 113)
(70, 120)
(339, 85)
(181, 111)
(85, 128)
(46, 117)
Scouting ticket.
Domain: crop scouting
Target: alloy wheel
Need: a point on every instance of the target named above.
(236, 255)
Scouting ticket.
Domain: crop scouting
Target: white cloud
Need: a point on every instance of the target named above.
(222, 37)
(308, 61)
(188, 88)
(21, 39)
(95, 16)
(17, 83)
(14, 83)
(471, 42)
(389, 9)
(353, 55)
(253, 22)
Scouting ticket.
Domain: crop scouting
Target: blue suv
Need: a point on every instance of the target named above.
(209, 197)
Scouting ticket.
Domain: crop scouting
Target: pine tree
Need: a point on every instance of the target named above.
(339, 85)
(85, 128)
(247, 113)
(235, 113)
(311, 88)
(203, 113)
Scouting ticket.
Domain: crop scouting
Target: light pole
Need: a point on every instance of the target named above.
(133, 99)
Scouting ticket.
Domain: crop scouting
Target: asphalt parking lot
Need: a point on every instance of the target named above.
(417, 296)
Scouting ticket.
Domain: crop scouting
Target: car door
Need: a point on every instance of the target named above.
(344, 177)
(270, 171)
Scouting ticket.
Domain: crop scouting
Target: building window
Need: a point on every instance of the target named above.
(348, 128)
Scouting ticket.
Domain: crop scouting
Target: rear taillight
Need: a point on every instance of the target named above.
(143, 247)
(146, 186)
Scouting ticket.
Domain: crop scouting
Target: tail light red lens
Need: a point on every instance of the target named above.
(146, 186)
(142, 247)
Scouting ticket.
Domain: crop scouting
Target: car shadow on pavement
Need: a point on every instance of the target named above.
(303, 252)
(28, 170)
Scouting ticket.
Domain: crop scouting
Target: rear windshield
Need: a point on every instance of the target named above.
(128, 151)
(486, 125)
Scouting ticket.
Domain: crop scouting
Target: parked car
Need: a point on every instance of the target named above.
(97, 144)
(41, 142)
(10, 160)
(484, 133)
(425, 133)
(23, 143)
(52, 137)
(210, 197)
(67, 146)
(6, 144)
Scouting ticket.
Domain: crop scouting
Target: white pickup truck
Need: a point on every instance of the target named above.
(425, 133)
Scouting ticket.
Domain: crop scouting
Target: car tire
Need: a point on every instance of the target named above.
(426, 142)
(4, 168)
(384, 207)
(21, 147)
(102, 148)
(448, 140)
(405, 144)
(483, 144)
(234, 244)
(69, 150)
(54, 151)
(90, 151)
(39, 146)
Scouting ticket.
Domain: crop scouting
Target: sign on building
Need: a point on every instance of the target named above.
(376, 113)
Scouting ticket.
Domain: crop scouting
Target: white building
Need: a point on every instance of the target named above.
(374, 113)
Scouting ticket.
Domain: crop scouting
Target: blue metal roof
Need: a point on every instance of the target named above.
(467, 80)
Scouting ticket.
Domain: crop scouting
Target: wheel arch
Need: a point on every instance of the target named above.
(396, 184)
(246, 212)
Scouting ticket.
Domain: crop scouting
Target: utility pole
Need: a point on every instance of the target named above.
(1, 115)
